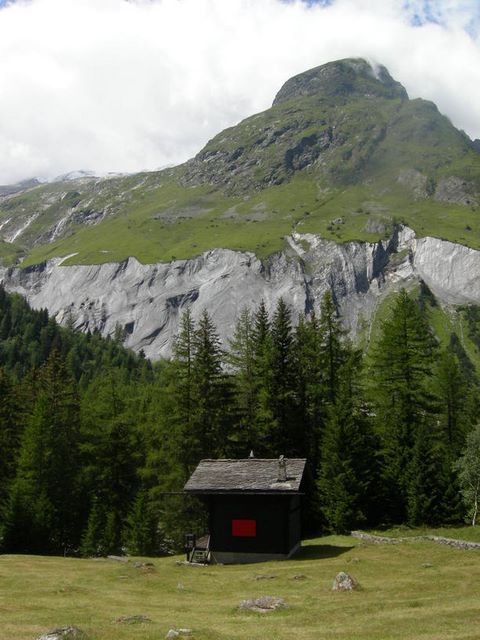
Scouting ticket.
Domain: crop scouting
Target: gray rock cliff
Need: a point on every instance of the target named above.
(147, 301)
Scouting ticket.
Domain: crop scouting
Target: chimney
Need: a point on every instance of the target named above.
(282, 469)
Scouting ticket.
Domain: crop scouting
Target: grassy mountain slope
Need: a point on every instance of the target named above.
(342, 152)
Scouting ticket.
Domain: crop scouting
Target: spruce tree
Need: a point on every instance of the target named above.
(453, 402)
(241, 359)
(43, 510)
(200, 394)
(11, 427)
(284, 435)
(426, 478)
(210, 389)
(401, 370)
(348, 455)
(182, 383)
(308, 386)
(111, 453)
(262, 380)
(93, 542)
(331, 345)
(140, 534)
(455, 388)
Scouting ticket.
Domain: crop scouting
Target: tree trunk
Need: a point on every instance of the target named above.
(475, 507)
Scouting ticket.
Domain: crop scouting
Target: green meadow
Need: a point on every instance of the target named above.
(411, 590)
(167, 222)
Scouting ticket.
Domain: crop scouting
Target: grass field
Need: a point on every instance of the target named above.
(407, 591)
(169, 222)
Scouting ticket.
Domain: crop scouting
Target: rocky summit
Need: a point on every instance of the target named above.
(345, 78)
(343, 184)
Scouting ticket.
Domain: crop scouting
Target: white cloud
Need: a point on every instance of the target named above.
(112, 85)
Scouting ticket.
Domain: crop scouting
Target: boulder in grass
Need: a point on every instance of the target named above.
(263, 604)
(344, 582)
(64, 633)
(145, 567)
(175, 633)
(136, 619)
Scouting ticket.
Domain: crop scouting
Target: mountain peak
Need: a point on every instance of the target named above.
(328, 120)
(351, 76)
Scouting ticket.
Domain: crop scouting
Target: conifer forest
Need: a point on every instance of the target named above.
(96, 442)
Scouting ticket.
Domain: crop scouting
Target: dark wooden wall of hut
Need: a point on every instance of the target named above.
(277, 523)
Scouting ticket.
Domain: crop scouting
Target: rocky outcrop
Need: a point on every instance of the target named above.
(451, 190)
(451, 271)
(146, 301)
(454, 190)
(352, 76)
(415, 181)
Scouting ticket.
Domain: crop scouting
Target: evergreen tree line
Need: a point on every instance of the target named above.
(96, 443)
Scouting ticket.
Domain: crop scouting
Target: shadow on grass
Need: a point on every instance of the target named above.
(319, 551)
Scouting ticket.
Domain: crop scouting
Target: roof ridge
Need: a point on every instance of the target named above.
(247, 474)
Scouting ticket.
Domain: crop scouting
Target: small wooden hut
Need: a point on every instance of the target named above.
(253, 506)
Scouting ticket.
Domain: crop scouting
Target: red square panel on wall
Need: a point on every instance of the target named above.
(244, 528)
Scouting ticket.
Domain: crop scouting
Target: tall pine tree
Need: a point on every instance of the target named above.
(241, 359)
(347, 471)
(401, 370)
(285, 436)
(43, 510)
(111, 455)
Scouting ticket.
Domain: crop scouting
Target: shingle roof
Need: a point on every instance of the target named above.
(248, 474)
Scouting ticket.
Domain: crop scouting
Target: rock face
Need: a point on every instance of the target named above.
(415, 181)
(450, 270)
(454, 190)
(146, 301)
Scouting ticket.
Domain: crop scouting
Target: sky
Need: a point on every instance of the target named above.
(131, 85)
